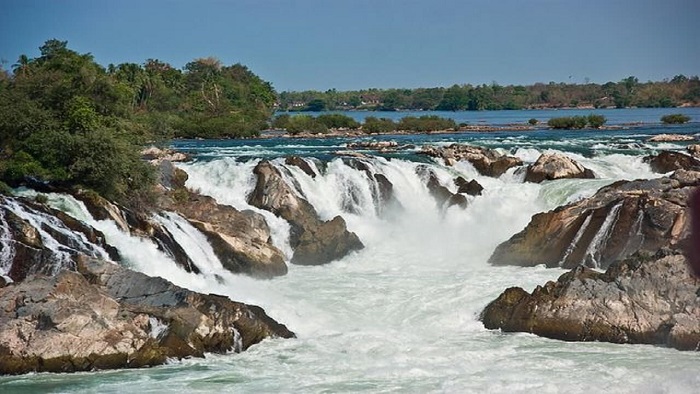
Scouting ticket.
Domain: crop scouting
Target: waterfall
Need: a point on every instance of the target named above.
(576, 239)
(592, 255)
(7, 251)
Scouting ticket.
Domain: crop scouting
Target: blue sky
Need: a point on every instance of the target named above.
(355, 44)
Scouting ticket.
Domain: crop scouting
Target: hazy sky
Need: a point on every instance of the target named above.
(355, 44)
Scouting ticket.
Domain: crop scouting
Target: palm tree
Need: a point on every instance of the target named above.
(22, 65)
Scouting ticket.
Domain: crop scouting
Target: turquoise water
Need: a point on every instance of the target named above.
(402, 314)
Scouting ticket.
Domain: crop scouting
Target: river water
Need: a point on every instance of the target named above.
(402, 314)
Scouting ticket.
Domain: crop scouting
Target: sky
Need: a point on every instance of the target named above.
(359, 44)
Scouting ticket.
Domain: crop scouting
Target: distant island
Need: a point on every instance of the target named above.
(679, 91)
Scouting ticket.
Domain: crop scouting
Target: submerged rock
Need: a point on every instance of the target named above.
(551, 166)
(488, 162)
(313, 240)
(105, 316)
(638, 300)
(668, 161)
(620, 219)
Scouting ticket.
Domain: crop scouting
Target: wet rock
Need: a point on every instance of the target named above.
(472, 188)
(694, 150)
(301, 163)
(620, 219)
(488, 162)
(171, 177)
(650, 300)
(670, 138)
(241, 240)
(313, 240)
(442, 195)
(551, 166)
(105, 316)
(668, 161)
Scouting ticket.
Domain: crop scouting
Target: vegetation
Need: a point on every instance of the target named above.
(628, 92)
(68, 120)
(577, 122)
(675, 119)
(533, 121)
(305, 123)
(338, 121)
(426, 123)
(321, 124)
(378, 125)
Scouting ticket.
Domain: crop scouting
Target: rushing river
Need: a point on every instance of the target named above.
(402, 314)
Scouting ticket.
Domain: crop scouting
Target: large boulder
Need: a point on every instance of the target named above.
(442, 195)
(620, 219)
(105, 316)
(241, 240)
(668, 161)
(551, 166)
(488, 162)
(472, 188)
(313, 240)
(638, 300)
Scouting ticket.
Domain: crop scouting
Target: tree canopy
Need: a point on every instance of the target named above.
(64, 118)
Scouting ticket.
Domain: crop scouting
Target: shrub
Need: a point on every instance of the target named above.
(378, 125)
(426, 123)
(568, 122)
(5, 189)
(281, 121)
(41, 198)
(533, 121)
(338, 121)
(596, 121)
(675, 119)
(301, 123)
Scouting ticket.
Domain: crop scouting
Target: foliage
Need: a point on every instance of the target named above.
(577, 122)
(378, 125)
(624, 93)
(305, 123)
(596, 121)
(65, 118)
(426, 123)
(338, 121)
(533, 121)
(280, 122)
(675, 119)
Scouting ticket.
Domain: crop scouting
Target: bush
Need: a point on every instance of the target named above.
(338, 121)
(301, 123)
(378, 125)
(675, 119)
(596, 121)
(426, 123)
(281, 121)
(568, 122)
(533, 121)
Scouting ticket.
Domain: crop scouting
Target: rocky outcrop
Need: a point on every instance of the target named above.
(638, 300)
(301, 163)
(551, 166)
(670, 138)
(472, 188)
(442, 195)
(488, 162)
(668, 161)
(241, 240)
(313, 240)
(156, 155)
(620, 219)
(693, 150)
(379, 146)
(105, 316)
(381, 187)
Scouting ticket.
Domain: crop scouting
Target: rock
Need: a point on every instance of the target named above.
(314, 241)
(171, 177)
(620, 219)
(670, 138)
(551, 166)
(106, 316)
(694, 150)
(156, 155)
(241, 240)
(668, 161)
(301, 163)
(442, 195)
(349, 153)
(488, 162)
(380, 146)
(472, 188)
(638, 300)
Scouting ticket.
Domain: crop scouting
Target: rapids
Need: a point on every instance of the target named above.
(402, 314)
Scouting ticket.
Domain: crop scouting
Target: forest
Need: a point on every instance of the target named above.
(629, 92)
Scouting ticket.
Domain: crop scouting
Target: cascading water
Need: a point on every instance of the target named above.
(400, 315)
